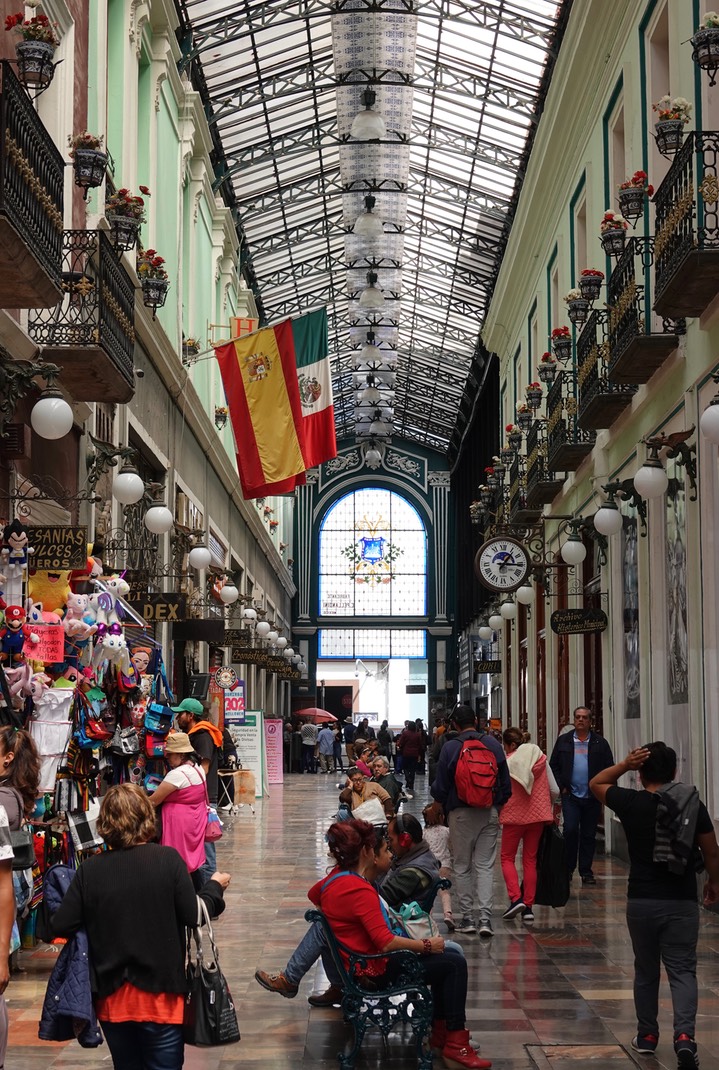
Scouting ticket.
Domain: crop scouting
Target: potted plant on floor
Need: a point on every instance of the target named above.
(633, 194)
(674, 113)
(613, 233)
(562, 344)
(590, 283)
(89, 162)
(125, 212)
(35, 50)
(547, 369)
(153, 279)
(705, 45)
(577, 307)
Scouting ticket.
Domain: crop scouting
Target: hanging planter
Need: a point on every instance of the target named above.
(562, 344)
(547, 370)
(35, 52)
(486, 496)
(153, 279)
(190, 349)
(525, 417)
(613, 233)
(633, 194)
(89, 162)
(533, 394)
(674, 113)
(507, 452)
(577, 307)
(476, 511)
(125, 212)
(220, 416)
(491, 476)
(705, 46)
(590, 284)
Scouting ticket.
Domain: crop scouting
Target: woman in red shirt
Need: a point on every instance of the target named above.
(351, 905)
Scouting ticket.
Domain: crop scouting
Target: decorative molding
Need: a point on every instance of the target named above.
(139, 16)
(162, 77)
(342, 462)
(401, 463)
(439, 479)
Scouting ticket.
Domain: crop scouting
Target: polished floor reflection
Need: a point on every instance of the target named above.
(556, 995)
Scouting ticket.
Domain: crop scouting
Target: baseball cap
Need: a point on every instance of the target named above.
(189, 705)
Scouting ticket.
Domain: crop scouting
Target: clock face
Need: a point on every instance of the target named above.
(502, 564)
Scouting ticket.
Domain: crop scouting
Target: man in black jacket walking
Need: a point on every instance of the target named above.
(577, 757)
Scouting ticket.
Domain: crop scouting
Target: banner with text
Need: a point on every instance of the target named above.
(273, 749)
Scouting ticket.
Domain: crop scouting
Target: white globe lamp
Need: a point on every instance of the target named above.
(272, 636)
(525, 594)
(651, 481)
(371, 299)
(263, 629)
(573, 551)
(302, 666)
(508, 610)
(370, 395)
(229, 594)
(281, 642)
(608, 520)
(127, 486)
(249, 614)
(290, 652)
(199, 557)
(51, 416)
(368, 125)
(158, 519)
(485, 633)
(496, 622)
(709, 421)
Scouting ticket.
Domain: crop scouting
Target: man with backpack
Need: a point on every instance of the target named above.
(471, 785)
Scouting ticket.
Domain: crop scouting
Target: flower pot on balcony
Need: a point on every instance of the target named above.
(515, 441)
(613, 241)
(547, 372)
(534, 399)
(507, 456)
(591, 286)
(669, 135)
(705, 51)
(89, 166)
(492, 479)
(154, 293)
(525, 420)
(35, 67)
(578, 311)
(124, 230)
(562, 349)
(631, 203)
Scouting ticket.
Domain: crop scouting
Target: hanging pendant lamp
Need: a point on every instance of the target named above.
(368, 125)
(368, 225)
(371, 298)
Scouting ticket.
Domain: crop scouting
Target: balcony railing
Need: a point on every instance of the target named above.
(91, 332)
(686, 238)
(567, 443)
(639, 340)
(600, 401)
(519, 510)
(31, 202)
(542, 484)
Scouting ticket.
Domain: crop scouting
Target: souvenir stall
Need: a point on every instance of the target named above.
(81, 672)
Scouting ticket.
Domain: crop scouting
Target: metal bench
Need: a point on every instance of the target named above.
(406, 999)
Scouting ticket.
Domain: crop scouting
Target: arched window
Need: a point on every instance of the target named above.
(373, 557)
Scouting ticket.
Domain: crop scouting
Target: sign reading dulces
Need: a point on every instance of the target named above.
(58, 548)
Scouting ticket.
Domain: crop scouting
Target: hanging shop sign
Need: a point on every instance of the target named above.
(415, 689)
(161, 608)
(578, 621)
(57, 548)
(226, 677)
(487, 666)
(278, 665)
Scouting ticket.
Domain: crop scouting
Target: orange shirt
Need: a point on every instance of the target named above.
(131, 1004)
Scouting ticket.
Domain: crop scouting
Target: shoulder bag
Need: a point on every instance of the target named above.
(21, 837)
(210, 1018)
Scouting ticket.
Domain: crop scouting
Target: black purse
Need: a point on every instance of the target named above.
(23, 845)
(210, 1018)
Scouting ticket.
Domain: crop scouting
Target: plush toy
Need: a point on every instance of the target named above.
(79, 620)
(37, 614)
(15, 546)
(106, 604)
(19, 679)
(14, 634)
(113, 648)
(50, 588)
(39, 683)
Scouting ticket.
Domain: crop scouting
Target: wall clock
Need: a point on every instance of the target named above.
(502, 564)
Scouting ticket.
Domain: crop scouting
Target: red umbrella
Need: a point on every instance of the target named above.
(316, 715)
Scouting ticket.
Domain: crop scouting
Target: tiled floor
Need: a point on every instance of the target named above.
(553, 996)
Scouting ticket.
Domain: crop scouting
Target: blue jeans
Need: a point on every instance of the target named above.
(210, 865)
(144, 1045)
(311, 947)
(581, 817)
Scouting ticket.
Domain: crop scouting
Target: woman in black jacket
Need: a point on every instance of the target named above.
(135, 902)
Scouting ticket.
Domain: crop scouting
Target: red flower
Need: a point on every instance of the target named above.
(12, 21)
(123, 192)
(158, 261)
(560, 332)
(650, 191)
(145, 190)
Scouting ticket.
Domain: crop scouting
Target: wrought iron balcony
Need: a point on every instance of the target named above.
(90, 332)
(686, 235)
(31, 202)
(600, 402)
(639, 340)
(519, 510)
(567, 443)
(542, 484)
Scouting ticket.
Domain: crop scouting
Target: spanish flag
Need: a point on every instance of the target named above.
(261, 374)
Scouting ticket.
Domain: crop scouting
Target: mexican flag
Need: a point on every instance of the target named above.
(279, 395)
(314, 380)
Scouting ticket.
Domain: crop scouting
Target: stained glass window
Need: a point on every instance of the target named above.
(350, 643)
(373, 557)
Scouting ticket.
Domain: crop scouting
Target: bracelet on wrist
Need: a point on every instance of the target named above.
(427, 947)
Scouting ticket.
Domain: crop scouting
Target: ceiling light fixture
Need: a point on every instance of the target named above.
(368, 125)
(371, 298)
(368, 225)
(371, 352)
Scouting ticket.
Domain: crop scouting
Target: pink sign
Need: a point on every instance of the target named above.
(273, 751)
(51, 647)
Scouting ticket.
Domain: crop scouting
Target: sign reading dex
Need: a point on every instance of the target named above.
(161, 608)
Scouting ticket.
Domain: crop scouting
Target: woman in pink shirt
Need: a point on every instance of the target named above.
(183, 798)
(523, 817)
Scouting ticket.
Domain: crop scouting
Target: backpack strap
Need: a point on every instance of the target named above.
(343, 873)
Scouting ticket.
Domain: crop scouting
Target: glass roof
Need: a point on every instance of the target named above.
(460, 85)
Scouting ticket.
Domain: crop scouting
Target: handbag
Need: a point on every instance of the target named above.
(158, 715)
(417, 923)
(209, 1018)
(151, 782)
(21, 838)
(552, 872)
(125, 741)
(154, 746)
(372, 811)
(213, 828)
(83, 827)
